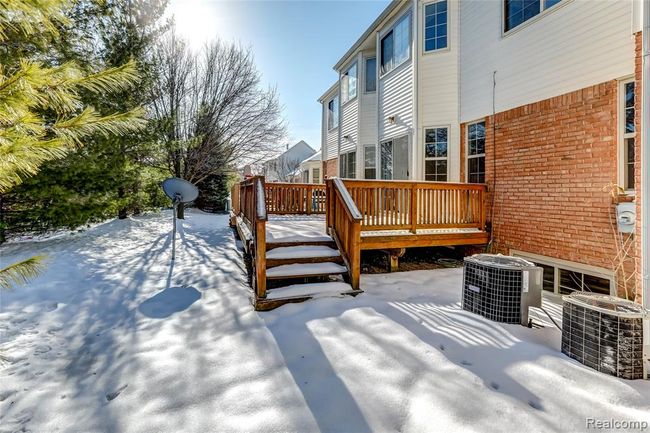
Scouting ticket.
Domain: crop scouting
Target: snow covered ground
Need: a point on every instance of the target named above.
(113, 339)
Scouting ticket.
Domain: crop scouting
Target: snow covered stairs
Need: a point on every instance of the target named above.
(302, 270)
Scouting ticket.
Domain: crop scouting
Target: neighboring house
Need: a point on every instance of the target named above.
(309, 170)
(538, 99)
(283, 167)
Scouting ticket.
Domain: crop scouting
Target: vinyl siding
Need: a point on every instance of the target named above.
(330, 138)
(578, 44)
(438, 97)
(350, 125)
(396, 99)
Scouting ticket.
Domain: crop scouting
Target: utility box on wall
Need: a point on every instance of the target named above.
(626, 217)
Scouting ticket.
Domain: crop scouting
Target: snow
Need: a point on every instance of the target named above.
(290, 228)
(302, 251)
(112, 338)
(305, 269)
(314, 289)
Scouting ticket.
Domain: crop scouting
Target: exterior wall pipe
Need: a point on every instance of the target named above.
(645, 158)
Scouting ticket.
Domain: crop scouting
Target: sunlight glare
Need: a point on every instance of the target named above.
(199, 21)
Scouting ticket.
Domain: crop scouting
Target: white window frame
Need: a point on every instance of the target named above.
(331, 112)
(365, 146)
(622, 135)
(424, 28)
(314, 178)
(542, 13)
(408, 16)
(345, 83)
(479, 155)
(365, 74)
(558, 264)
(346, 155)
(437, 158)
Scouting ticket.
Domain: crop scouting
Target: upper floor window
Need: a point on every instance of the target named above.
(519, 11)
(349, 83)
(371, 74)
(396, 45)
(435, 26)
(626, 154)
(476, 152)
(333, 113)
(435, 154)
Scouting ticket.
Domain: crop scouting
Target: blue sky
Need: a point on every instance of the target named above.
(296, 43)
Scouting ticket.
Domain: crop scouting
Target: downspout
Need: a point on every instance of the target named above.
(415, 146)
(340, 122)
(377, 90)
(645, 158)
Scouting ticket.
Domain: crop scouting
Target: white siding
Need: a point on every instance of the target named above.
(578, 44)
(330, 138)
(350, 125)
(367, 111)
(396, 99)
(438, 104)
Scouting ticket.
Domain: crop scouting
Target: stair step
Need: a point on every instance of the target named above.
(302, 251)
(270, 245)
(300, 270)
(312, 290)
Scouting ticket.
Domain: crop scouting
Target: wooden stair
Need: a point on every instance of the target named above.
(300, 270)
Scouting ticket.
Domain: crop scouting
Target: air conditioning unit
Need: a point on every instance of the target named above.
(501, 288)
(605, 333)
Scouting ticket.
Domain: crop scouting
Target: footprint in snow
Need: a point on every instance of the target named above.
(51, 306)
(463, 362)
(41, 350)
(535, 405)
(495, 386)
(442, 347)
(113, 395)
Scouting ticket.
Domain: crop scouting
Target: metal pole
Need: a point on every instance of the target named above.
(174, 231)
(645, 158)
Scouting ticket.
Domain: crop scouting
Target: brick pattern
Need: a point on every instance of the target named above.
(553, 159)
(638, 71)
(329, 167)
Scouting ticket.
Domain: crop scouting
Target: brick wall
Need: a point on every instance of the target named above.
(553, 158)
(638, 70)
(329, 167)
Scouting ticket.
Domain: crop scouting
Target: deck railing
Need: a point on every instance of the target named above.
(295, 198)
(408, 205)
(344, 224)
(251, 205)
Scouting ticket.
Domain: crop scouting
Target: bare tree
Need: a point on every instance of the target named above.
(281, 168)
(213, 110)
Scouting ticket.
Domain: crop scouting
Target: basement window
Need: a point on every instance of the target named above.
(562, 277)
(348, 165)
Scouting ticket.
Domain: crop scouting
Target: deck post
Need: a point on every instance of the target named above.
(260, 258)
(414, 208)
(355, 254)
(393, 258)
(309, 199)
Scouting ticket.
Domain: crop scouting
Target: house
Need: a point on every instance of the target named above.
(282, 168)
(309, 170)
(540, 100)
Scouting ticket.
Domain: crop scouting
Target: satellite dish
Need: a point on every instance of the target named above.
(180, 191)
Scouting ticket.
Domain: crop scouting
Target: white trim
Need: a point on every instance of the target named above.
(365, 74)
(425, 158)
(543, 12)
(590, 270)
(329, 112)
(355, 62)
(424, 51)
(621, 134)
(363, 170)
(466, 144)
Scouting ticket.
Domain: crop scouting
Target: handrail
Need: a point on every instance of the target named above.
(344, 224)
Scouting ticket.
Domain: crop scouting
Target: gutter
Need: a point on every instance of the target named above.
(644, 193)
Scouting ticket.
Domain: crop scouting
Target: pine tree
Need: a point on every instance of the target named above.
(42, 114)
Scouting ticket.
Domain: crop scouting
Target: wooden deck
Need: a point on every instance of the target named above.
(314, 229)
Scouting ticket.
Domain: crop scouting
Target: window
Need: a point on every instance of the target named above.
(435, 26)
(435, 154)
(305, 176)
(369, 162)
(396, 45)
(349, 83)
(315, 175)
(627, 135)
(348, 165)
(371, 74)
(386, 157)
(333, 113)
(476, 152)
(519, 11)
(563, 278)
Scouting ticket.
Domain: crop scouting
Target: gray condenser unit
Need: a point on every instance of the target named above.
(501, 288)
(606, 333)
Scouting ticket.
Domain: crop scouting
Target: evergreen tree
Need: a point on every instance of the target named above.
(42, 114)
